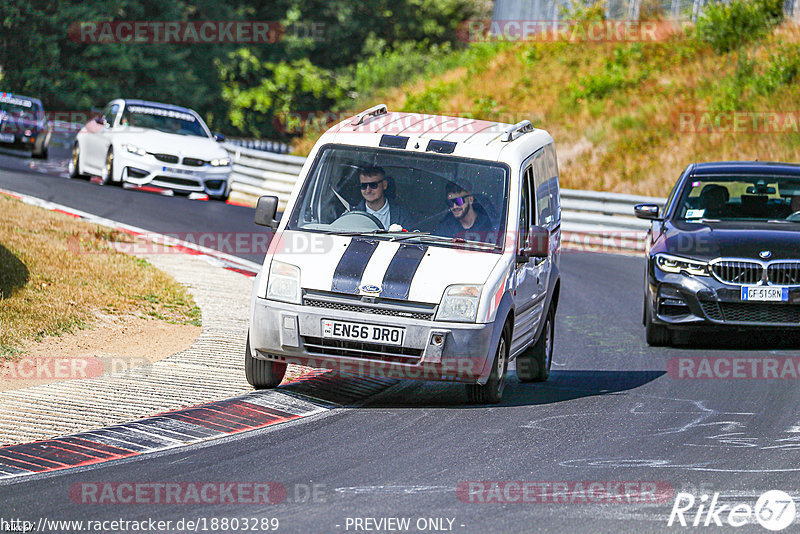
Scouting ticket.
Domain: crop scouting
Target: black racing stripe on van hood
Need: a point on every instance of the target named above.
(401, 270)
(348, 273)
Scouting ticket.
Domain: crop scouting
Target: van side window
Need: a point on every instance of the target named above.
(526, 214)
(544, 211)
(552, 177)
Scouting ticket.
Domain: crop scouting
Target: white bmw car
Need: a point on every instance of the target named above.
(147, 143)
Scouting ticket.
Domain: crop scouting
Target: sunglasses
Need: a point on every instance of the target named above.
(458, 201)
(370, 185)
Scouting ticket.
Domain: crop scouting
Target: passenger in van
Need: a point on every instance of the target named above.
(373, 189)
(466, 218)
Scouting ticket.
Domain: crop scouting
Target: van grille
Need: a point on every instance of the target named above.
(366, 351)
(425, 316)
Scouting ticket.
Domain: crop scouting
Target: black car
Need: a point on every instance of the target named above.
(725, 252)
(23, 124)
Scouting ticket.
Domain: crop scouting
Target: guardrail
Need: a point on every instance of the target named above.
(257, 173)
(590, 220)
(599, 221)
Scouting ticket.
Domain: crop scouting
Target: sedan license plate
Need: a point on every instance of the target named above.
(180, 171)
(765, 293)
(366, 333)
(6, 138)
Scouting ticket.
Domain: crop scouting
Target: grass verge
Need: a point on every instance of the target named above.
(57, 272)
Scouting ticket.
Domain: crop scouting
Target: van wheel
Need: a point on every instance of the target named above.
(262, 374)
(534, 364)
(492, 391)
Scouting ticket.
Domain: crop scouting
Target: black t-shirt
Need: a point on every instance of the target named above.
(481, 230)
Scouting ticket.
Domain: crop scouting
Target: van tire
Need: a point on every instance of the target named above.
(534, 364)
(262, 374)
(492, 391)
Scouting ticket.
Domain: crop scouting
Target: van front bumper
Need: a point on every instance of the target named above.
(431, 350)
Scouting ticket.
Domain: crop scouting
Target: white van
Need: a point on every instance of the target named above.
(413, 246)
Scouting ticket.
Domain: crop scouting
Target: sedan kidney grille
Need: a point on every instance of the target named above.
(166, 158)
(784, 274)
(738, 272)
(193, 162)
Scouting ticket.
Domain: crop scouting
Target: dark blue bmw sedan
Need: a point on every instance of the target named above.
(725, 250)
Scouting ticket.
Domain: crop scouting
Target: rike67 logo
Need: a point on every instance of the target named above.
(774, 510)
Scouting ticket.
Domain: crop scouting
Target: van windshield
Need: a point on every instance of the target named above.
(363, 190)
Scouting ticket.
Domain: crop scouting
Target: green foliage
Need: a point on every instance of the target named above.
(752, 78)
(258, 93)
(726, 26)
(430, 100)
(619, 73)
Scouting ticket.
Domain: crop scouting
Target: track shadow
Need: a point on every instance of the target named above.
(562, 386)
(13, 273)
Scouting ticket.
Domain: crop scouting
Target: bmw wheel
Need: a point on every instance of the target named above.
(74, 166)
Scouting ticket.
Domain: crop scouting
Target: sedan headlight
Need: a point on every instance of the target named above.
(133, 149)
(220, 162)
(284, 282)
(676, 264)
(460, 303)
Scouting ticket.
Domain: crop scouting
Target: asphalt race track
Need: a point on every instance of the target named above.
(610, 413)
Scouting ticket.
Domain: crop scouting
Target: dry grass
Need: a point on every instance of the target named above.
(57, 273)
(613, 108)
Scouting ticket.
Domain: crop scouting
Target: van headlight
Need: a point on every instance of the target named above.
(284, 282)
(459, 303)
(676, 264)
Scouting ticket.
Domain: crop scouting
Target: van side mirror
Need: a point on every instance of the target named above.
(218, 137)
(537, 244)
(266, 209)
(646, 211)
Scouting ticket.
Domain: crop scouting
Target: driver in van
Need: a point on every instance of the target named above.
(466, 218)
(373, 188)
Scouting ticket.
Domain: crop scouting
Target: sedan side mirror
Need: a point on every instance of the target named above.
(646, 211)
(266, 209)
(218, 137)
(537, 244)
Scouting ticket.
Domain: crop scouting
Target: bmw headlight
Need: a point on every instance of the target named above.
(133, 149)
(676, 264)
(220, 162)
(284, 282)
(460, 303)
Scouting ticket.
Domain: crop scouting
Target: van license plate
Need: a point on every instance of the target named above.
(366, 333)
(765, 293)
(7, 138)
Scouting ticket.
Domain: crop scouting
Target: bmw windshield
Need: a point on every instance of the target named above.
(740, 198)
(163, 119)
(412, 195)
